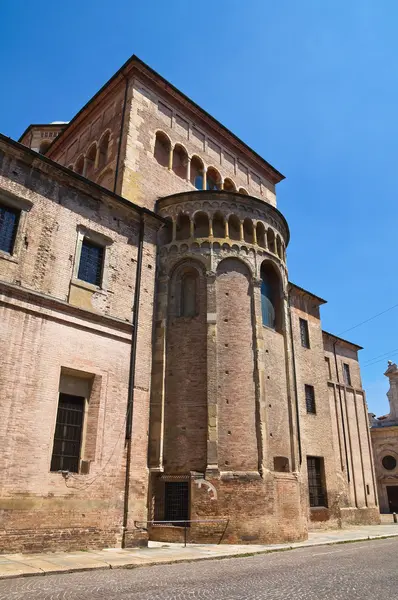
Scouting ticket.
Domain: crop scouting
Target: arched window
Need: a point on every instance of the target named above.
(248, 233)
(279, 246)
(260, 232)
(201, 225)
(188, 295)
(79, 168)
(162, 149)
(183, 229)
(180, 161)
(103, 150)
(234, 227)
(197, 170)
(218, 226)
(243, 191)
(44, 146)
(271, 241)
(229, 185)
(213, 179)
(270, 297)
(90, 161)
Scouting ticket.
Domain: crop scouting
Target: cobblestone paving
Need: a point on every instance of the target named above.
(364, 570)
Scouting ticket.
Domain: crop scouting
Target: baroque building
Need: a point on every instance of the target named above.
(157, 365)
(384, 435)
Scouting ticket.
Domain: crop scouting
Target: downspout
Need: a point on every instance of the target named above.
(119, 149)
(133, 356)
(295, 387)
(341, 412)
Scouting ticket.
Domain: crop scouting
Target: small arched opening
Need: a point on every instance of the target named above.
(44, 146)
(197, 170)
(166, 232)
(90, 161)
(162, 149)
(243, 191)
(218, 226)
(234, 227)
(271, 241)
(279, 246)
(213, 179)
(79, 168)
(104, 150)
(229, 185)
(180, 161)
(260, 234)
(201, 225)
(248, 233)
(271, 301)
(183, 228)
(189, 293)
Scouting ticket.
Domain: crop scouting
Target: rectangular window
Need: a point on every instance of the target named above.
(9, 219)
(304, 333)
(328, 367)
(347, 374)
(316, 477)
(68, 434)
(91, 262)
(310, 398)
(176, 501)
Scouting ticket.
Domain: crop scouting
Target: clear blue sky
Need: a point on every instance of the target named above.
(311, 85)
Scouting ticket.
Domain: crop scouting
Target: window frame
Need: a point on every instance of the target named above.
(328, 367)
(62, 397)
(97, 239)
(347, 374)
(310, 403)
(320, 493)
(16, 204)
(304, 334)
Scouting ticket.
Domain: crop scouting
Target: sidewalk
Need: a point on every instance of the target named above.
(23, 565)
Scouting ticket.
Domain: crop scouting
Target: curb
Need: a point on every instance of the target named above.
(133, 565)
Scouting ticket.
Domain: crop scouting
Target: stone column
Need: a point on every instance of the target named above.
(212, 469)
(204, 179)
(188, 169)
(171, 159)
(242, 237)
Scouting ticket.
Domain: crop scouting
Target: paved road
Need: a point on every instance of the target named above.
(367, 570)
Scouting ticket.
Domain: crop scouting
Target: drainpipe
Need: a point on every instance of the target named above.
(119, 149)
(133, 356)
(341, 411)
(295, 386)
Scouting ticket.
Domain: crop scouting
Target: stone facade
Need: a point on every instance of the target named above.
(384, 434)
(206, 387)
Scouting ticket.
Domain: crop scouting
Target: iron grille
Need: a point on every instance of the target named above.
(304, 333)
(68, 434)
(91, 263)
(9, 218)
(310, 399)
(176, 501)
(315, 483)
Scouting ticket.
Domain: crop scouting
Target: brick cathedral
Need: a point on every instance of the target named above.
(157, 365)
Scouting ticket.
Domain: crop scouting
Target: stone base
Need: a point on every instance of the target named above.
(360, 516)
(64, 540)
(135, 538)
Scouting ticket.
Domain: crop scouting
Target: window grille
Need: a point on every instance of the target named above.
(347, 374)
(9, 218)
(68, 434)
(316, 488)
(310, 399)
(91, 262)
(304, 333)
(176, 501)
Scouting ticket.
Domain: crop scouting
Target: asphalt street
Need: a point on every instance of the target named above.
(342, 572)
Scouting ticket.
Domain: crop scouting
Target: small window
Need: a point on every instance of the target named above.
(316, 478)
(389, 462)
(91, 262)
(328, 367)
(68, 434)
(176, 501)
(304, 333)
(310, 399)
(9, 219)
(347, 374)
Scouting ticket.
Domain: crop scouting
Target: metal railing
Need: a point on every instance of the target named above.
(185, 523)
